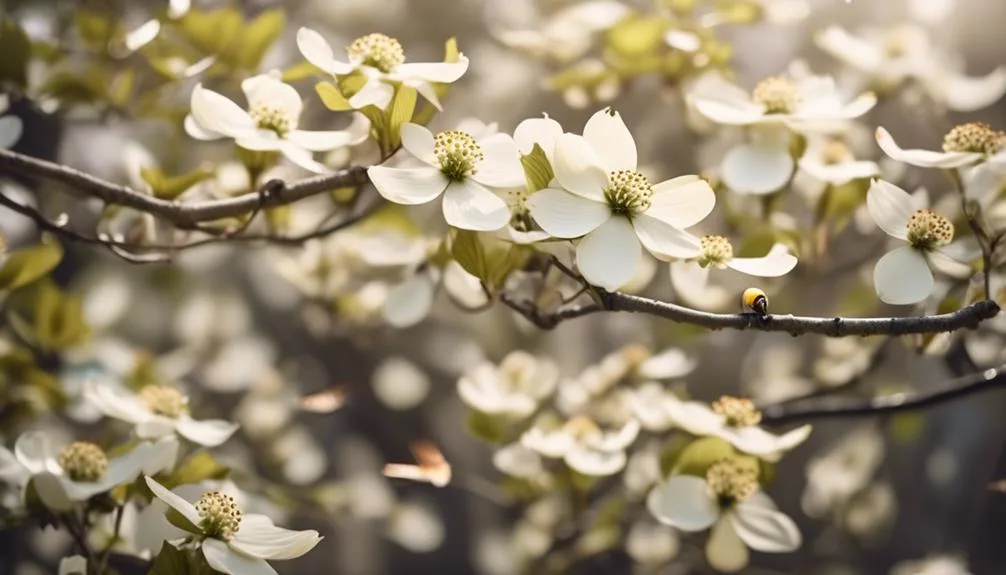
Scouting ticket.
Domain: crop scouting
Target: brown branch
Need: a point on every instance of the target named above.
(967, 317)
(181, 214)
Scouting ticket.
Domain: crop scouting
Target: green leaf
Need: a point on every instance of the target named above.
(57, 318)
(199, 466)
(170, 560)
(467, 249)
(504, 260)
(485, 427)
(537, 169)
(170, 187)
(258, 36)
(26, 265)
(906, 427)
(451, 52)
(178, 520)
(15, 54)
(696, 458)
(402, 108)
(636, 37)
(120, 91)
(95, 28)
(299, 71)
(212, 31)
(332, 97)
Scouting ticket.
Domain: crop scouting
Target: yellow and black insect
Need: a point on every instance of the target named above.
(755, 300)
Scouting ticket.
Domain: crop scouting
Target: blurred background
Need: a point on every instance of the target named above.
(902, 494)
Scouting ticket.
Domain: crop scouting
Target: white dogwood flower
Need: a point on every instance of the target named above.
(563, 36)
(736, 422)
(903, 276)
(269, 124)
(460, 168)
(717, 252)
(514, 388)
(729, 501)
(888, 58)
(828, 161)
(583, 445)
(232, 542)
(964, 145)
(614, 209)
(381, 60)
(156, 411)
(11, 127)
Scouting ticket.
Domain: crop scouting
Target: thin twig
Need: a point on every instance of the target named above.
(843, 407)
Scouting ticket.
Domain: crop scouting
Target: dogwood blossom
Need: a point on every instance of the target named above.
(583, 445)
(269, 124)
(716, 252)
(601, 198)
(460, 168)
(964, 145)
(234, 543)
(903, 276)
(563, 36)
(729, 501)
(11, 126)
(514, 388)
(381, 61)
(158, 410)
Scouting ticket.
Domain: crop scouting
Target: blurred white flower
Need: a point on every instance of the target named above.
(517, 460)
(583, 445)
(613, 208)
(842, 470)
(964, 145)
(381, 61)
(653, 405)
(513, 389)
(11, 127)
(888, 58)
(269, 124)
(735, 421)
(902, 276)
(563, 36)
(410, 301)
(773, 372)
(416, 526)
(73, 565)
(651, 544)
(158, 410)
(460, 168)
(399, 383)
(828, 161)
(932, 565)
(870, 513)
(302, 461)
(234, 543)
(728, 500)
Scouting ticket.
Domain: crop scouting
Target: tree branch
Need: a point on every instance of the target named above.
(181, 214)
(967, 317)
(843, 407)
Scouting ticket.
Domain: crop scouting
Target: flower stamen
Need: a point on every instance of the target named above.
(83, 461)
(976, 137)
(221, 517)
(928, 230)
(377, 51)
(716, 251)
(730, 482)
(458, 154)
(628, 193)
(582, 427)
(738, 412)
(835, 152)
(164, 400)
(777, 94)
(271, 117)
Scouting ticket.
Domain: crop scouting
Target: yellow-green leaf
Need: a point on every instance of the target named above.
(197, 467)
(299, 71)
(120, 91)
(171, 560)
(467, 249)
(212, 31)
(29, 264)
(15, 54)
(258, 36)
(332, 97)
(700, 454)
(485, 427)
(537, 170)
(170, 187)
(400, 113)
(95, 28)
(451, 52)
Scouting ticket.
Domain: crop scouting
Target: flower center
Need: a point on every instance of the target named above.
(835, 152)
(731, 482)
(377, 51)
(582, 427)
(738, 412)
(716, 250)
(220, 515)
(977, 137)
(628, 192)
(83, 461)
(164, 400)
(271, 117)
(458, 154)
(777, 94)
(896, 42)
(928, 230)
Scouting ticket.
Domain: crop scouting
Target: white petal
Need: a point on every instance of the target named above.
(776, 263)
(269, 90)
(409, 302)
(222, 558)
(142, 35)
(611, 140)
(113, 404)
(668, 364)
(756, 169)
(501, 167)
(541, 131)
(725, 551)
(464, 287)
(301, 157)
(610, 255)
(426, 90)
(891, 207)
(178, 8)
(552, 444)
(757, 441)
(578, 168)
(51, 489)
(258, 537)
(517, 460)
(923, 158)
(12, 471)
(663, 240)
(11, 128)
(440, 72)
(198, 131)
(35, 450)
(853, 50)
(839, 173)
(155, 426)
(969, 94)
(322, 141)
(764, 529)
(682, 202)
(565, 215)
(695, 417)
(470, 206)
(217, 113)
(74, 565)
(728, 113)
(408, 186)
(209, 433)
(373, 92)
(691, 283)
(318, 52)
(683, 501)
(183, 507)
(163, 455)
(418, 141)
(593, 462)
(902, 277)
